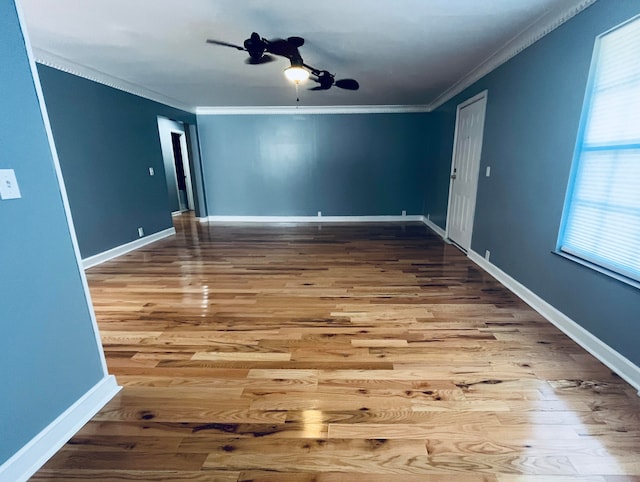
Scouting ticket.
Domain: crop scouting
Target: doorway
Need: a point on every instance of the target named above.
(181, 165)
(176, 165)
(465, 165)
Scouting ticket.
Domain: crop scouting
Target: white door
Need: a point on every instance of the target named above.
(467, 148)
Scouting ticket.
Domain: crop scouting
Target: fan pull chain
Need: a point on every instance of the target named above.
(297, 93)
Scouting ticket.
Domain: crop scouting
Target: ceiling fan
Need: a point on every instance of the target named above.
(262, 51)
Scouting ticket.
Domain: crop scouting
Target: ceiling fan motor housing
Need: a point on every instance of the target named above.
(255, 46)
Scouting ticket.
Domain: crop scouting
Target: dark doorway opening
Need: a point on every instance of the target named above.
(177, 159)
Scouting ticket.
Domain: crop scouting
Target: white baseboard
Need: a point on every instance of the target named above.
(99, 258)
(26, 462)
(312, 219)
(603, 352)
(434, 227)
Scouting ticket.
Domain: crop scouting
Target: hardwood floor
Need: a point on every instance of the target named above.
(333, 353)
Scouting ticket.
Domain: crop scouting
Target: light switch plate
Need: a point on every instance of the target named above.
(9, 188)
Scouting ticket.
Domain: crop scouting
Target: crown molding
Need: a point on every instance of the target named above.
(534, 32)
(332, 109)
(60, 63)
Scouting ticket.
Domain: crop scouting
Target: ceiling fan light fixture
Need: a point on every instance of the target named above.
(296, 74)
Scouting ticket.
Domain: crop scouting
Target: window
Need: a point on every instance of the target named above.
(601, 220)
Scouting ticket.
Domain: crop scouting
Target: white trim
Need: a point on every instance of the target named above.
(24, 463)
(324, 219)
(200, 201)
(61, 185)
(453, 158)
(312, 219)
(186, 166)
(474, 99)
(482, 96)
(99, 258)
(534, 32)
(603, 352)
(434, 227)
(335, 109)
(60, 63)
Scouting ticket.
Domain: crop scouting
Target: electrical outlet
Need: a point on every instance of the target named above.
(319, 214)
(404, 213)
(140, 232)
(487, 254)
(9, 188)
(428, 217)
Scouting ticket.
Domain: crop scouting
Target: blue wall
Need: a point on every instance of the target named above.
(533, 112)
(106, 141)
(438, 169)
(49, 356)
(297, 165)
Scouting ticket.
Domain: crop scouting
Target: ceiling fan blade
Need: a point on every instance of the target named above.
(224, 44)
(348, 84)
(265, 59)
(324, 78)
(297, 42)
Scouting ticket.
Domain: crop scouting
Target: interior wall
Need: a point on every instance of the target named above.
(437, 170)
(49, 355)
(297, 165)
(107, 140)
(533, 112)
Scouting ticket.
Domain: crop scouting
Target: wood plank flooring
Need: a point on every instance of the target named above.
(334, 353)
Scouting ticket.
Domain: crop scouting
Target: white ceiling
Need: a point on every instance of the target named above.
(403, 52)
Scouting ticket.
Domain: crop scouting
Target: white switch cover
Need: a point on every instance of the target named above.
(9, 188)
(488, 172)
(151, 171)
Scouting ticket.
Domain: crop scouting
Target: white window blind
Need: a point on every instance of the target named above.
(601, 222)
